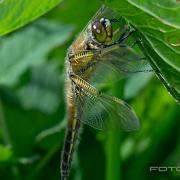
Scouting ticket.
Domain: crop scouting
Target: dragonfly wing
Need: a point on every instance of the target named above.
(118, 64)
(125, 60)
(104, 112)
(121, 62)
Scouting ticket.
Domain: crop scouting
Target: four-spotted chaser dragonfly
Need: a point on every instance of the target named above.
(98, 47)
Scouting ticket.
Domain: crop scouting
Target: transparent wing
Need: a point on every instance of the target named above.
(125, 61)
(104, 112)
(120, 63)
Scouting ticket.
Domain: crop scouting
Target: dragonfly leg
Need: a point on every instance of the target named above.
(111, 48)
(114, 20)
(136, 42)
(122, 38)
(121, 31)
(125, 36)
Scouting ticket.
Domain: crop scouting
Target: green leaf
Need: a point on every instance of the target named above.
(15, 14)
(28, 47)
(45, 85)
(5, 153)
(159, 27)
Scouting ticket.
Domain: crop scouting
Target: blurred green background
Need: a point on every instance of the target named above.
(32, 110)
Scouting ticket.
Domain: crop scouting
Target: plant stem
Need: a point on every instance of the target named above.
(113, 165)
(113, 156)
(3, 125)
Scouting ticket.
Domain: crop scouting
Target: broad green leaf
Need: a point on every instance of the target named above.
(46, 85)
(28, 47)
(14, 14)
(25, 125)
(159, 27)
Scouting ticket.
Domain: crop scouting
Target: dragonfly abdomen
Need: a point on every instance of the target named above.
(69, 146)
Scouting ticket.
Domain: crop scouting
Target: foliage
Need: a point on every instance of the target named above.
(159, 27)
(32, 107)
(39, 38)
(16, 14)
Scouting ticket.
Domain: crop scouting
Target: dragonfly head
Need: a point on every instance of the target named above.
(102, 30)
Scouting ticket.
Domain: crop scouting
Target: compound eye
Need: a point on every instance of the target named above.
(108, 26)
(99, 31)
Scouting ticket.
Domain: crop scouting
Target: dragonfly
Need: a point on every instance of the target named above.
(98, 50)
